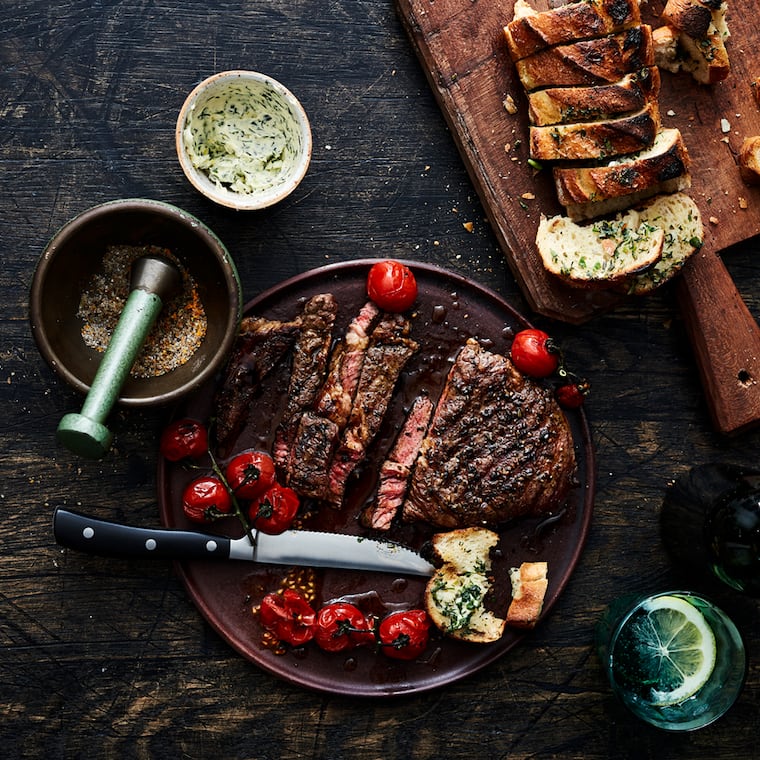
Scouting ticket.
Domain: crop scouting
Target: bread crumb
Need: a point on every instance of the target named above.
(743, 202)
(713, 220)
(469, 226)
(528, 196)
(509, 105)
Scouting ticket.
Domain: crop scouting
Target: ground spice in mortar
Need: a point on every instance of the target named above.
(178, 331)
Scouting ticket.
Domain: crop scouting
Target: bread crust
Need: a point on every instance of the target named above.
(587, 191)
(529, 586)
(563, 105)
(598, 139)
(749, 160)
(602, 60)
(689, 16)
(531, 32)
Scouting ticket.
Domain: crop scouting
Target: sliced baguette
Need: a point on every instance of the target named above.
(749, 160)
(678, 216)
(705, 57)
(455, 594)
(708, 60)
(588, 192)
(596, 139)
(562, 105)
(529, 584)
(602, 254)
(689, 16)
(603, 60)
(531, 30)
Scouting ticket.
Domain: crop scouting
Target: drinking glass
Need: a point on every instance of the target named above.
(621, 660)
(710, 521)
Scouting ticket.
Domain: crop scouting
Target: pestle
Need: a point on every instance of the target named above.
(153, 281)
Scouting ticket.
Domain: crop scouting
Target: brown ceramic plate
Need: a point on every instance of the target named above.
(450, 309)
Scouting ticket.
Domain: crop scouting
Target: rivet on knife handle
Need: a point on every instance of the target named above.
(88, 534)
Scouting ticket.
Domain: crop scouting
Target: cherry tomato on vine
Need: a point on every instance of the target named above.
(289, 617)
(392, 286)
(205, 499)
(342, 626)
(184, 439)
(404, 634)
(571, 395)
(534, 353)
(250, 473)
(274, 511)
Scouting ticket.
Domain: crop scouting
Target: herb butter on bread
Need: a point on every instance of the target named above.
(635, 251)
(455, 597)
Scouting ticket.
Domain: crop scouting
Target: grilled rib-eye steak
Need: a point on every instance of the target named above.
(260, 345)
(498, 447)
(310, 356)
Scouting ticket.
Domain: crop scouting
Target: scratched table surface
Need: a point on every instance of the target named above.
(110, 659)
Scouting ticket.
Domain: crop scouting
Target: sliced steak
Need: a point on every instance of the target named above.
(322, 427)
(260, 345)
(311, 454)
(310, 355)
(396, 469)
(336, 396)
(389, 350)
(498, 447)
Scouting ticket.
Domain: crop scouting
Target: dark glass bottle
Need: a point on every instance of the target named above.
(710, 522)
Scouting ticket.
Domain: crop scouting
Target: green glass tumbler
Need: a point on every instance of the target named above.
(674, 659)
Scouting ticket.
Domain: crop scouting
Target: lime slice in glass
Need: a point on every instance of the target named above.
(673, 649)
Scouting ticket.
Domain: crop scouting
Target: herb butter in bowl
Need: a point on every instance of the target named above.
(243, 140)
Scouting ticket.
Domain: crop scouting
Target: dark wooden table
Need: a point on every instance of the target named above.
(104, 658)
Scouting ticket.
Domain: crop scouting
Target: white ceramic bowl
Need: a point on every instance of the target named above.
(243, 140)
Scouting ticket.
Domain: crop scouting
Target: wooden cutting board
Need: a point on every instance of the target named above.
(461, 47)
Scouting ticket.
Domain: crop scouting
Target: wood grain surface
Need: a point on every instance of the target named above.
(461, 46)
(109, 659)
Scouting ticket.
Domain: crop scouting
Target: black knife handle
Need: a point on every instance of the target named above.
(87, 534)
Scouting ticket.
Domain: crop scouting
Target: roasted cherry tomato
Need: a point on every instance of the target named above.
(571, 395)
(341, 626)
(404, 635)
(250, 473)
(289, 617)
(184, 439)
(534, 353)
(274, 511)
(392, 286)
(205, 499)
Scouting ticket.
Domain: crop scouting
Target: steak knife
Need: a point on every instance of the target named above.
(293, 547)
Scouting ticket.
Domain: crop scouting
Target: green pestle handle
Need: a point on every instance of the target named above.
(153, 281)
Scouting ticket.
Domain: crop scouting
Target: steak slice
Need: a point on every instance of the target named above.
(389, 350)
(332, 405)
(336, 396)
(498, 447)
(260, 345)
(396, 469)
(310, 355)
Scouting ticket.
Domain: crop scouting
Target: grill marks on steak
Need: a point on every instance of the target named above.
(389, 350)
(498, 447)
(260, 345)
(495, 446)
(397, 468)
(310, 356)
(319, 429)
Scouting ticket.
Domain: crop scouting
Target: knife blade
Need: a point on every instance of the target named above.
(75, 530)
